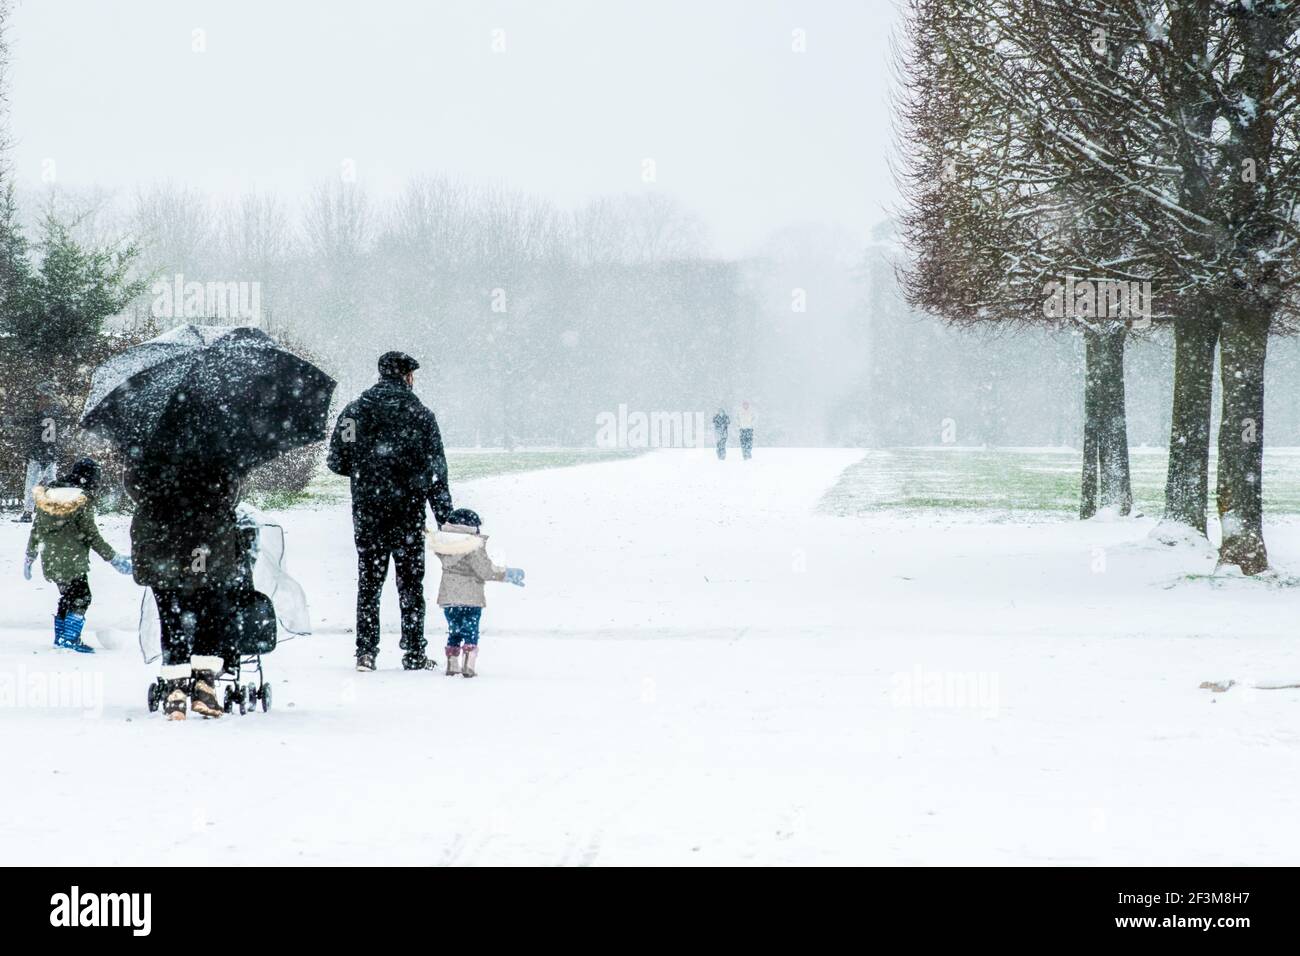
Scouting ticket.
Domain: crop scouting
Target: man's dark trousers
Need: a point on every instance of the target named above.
(403, 542)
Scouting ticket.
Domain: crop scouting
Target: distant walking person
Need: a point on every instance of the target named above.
(387, 442)
(745, 421)
(720, 423)
(45, 432)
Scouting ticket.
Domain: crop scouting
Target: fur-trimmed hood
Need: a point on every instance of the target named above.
(64, 532)
(454, 539)
(462, 551)
(59, 502)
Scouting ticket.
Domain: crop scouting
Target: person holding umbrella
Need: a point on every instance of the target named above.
(387, 442)
(193, 411)
(186, 546)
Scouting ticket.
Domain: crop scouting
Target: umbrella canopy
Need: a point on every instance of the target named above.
(227, 397)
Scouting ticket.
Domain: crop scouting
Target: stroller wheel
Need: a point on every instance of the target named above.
(266, 697)
(227, 705)
(251, 691)
(155, 696)
(239, 698)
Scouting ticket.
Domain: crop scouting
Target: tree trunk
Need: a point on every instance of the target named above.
(1088, 484)
(1188, 476)
(1242, 348)
(1243, 341)
(1106, 478)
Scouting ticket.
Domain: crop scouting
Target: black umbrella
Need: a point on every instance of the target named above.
(231, 398)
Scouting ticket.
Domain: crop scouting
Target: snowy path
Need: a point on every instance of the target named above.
(700, 670)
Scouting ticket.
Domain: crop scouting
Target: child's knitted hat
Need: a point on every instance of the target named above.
(84, 474)
(463, 516)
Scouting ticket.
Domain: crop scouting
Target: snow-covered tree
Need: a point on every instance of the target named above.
(1169, 127)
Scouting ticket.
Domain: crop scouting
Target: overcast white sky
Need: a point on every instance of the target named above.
(746, 132)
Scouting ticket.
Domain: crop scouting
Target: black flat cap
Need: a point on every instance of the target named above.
(396, 364)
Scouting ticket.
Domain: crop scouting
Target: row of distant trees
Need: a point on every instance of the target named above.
(530, 320)
(1133, 141)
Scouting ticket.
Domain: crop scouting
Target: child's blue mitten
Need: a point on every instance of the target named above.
(121, 563)
(515, 576)
(27, 568)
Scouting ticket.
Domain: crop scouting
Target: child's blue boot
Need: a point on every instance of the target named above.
(71, 635)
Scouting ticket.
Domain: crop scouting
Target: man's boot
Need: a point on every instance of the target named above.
(413, 646)
(418, 662)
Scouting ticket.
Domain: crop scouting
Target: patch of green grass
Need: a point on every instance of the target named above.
(329, 488)
(277, 500)
(1008, 482)
(1268, 579)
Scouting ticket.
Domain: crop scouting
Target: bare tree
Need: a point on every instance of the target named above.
(635, 228)
(1188, 156)
(175, 228)
(256, 233)
(339, 231)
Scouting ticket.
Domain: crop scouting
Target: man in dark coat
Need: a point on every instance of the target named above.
(45, 433)
(387, 442)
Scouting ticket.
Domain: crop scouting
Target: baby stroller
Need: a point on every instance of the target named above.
(252, 634)
(269, 601)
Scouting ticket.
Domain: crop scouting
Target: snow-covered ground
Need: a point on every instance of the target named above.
(702, 669)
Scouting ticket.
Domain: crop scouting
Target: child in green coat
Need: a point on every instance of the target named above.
(64, 532)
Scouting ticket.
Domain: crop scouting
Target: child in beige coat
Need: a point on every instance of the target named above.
(465, 568)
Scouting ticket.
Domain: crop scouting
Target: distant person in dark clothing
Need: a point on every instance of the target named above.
(720, 423)
(387, 442)
(45, 433)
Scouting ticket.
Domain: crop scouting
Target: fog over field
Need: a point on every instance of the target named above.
(685, 231)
